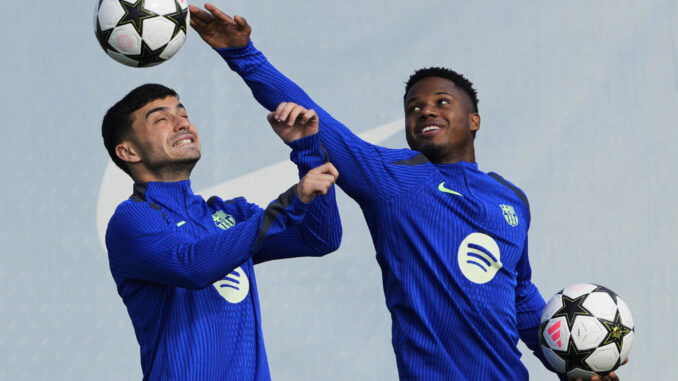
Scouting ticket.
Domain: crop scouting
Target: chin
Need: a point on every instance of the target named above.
(433, 152)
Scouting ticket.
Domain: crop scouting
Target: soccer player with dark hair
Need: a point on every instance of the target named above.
(451, 240)
(184, 266)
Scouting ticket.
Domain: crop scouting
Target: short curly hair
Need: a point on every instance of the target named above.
(459, 80)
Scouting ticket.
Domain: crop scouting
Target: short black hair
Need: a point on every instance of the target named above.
(459, 80)
(117, 123)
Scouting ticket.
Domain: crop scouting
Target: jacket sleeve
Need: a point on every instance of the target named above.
(319, 232)
(142, 245)
(361, 164)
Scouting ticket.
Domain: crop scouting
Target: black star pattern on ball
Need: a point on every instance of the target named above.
(179, 20)
(616, 331)
(103, 36)
(571, 309)
(135, 14)
(607, 291)
(147, 57)
(575, 358)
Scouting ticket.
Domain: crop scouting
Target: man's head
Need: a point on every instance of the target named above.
(441, 115)
(148, 135)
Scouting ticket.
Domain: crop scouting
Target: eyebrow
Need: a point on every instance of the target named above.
(162, 108)
(438, 93)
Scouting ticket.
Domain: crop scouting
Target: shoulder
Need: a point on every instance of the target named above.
(136, 216)
(406, 158)
(519, 193)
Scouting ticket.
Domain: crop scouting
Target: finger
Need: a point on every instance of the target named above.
(279, 110)
(613, 376)
(294, 115)
(318, 182)
(218, 14)
(331, 170)
(308, 115)
(323, 168)
(200, 14)
(284, 114)
(271, 117)
(241, 22)
(199, 25)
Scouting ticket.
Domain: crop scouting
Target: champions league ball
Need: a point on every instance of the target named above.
(141, 33)
(586, 330)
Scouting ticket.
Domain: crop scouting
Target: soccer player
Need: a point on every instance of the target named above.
(451, 240)
(184, 266)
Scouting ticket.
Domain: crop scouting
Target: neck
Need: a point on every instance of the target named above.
(166, 174)
(455, 156)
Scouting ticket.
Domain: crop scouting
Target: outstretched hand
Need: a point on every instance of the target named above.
(291, 121)
(317, 182)
(218, 29)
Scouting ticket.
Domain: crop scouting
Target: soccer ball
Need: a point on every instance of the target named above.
(586, 330)
(141, 33)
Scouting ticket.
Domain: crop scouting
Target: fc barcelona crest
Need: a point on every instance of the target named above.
(509, 214)
(223, 220)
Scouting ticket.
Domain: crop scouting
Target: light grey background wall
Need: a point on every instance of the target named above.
(579, 101)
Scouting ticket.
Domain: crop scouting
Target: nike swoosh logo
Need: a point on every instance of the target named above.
(442, 188)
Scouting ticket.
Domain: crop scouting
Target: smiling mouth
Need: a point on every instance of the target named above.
(429, 130)
(182, 142)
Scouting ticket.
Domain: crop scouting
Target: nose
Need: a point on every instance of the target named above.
(428, 110)
(181, 123)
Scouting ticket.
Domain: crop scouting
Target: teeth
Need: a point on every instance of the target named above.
(182, 142)
(429, 128)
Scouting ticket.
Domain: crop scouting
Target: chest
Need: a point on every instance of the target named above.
(473, 220)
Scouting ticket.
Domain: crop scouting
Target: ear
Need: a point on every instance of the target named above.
(474, 120)
(126, 151)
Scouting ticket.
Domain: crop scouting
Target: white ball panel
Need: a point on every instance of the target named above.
(626, 346)
(157, 32)
(110, 12)
(579, 289)
(552, 306)
(173, 46)
(161, 7)
(624, 313)
(556, 361)
(126, 40)
(130, 1)
(123, 59)
(580, 373)
(556, 334)
(603, 359)
(183, 3)
(587, 332)
(601, 305)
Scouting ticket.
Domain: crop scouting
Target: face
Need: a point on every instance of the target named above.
(165, 141)
(439, 120)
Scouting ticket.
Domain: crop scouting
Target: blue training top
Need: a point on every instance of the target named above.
(184, 269)
(451, 241)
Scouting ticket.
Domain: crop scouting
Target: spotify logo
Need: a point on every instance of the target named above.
(479, 258)
(234, 287)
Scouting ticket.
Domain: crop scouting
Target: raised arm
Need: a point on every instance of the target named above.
(362, 165)
(320, 231)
